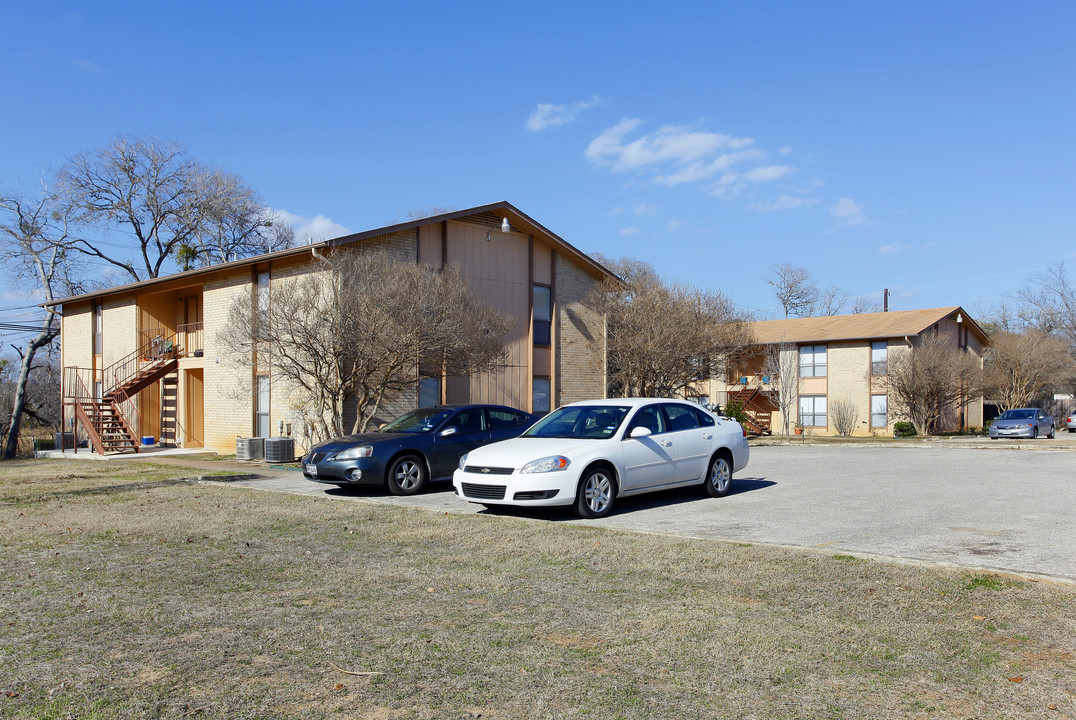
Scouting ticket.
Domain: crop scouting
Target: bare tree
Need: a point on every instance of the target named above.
(843, 415)
(781, 364)
(1020, 367)
(1051, 298)
(171, 207)
(660, 339)
(345, 339)
(33, 235)
(795, 289)
(931, 379)
(830, 301)
(863, 305)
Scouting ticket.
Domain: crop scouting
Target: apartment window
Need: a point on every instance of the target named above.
(813, 410)
(543, 314)
(879, 357)
(261, 407)
(263, 292)
(97, 326)
(540, 395)
(429, 391)
(813, 361)
(879, 411)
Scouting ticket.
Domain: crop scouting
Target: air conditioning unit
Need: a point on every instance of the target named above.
(280, 449)
(249, 448)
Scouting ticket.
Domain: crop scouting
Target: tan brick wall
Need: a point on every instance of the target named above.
(578, 356)
(228, 395)
(77, 335)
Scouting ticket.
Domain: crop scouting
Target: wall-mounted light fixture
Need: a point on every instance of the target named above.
(505, 228)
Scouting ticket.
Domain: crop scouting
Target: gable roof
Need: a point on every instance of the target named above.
(864, 326)
(486, 214)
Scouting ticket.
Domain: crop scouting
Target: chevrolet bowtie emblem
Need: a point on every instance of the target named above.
(485, 470)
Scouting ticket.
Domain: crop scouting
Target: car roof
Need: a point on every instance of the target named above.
(631, 402)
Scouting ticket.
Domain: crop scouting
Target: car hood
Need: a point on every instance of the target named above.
(371, 438)
(517, 452)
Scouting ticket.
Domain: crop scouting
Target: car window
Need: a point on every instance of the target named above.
(500, 419)
(680, 417)
(417, 421)
(705, 418)
(591, 422)
(469, 421)
(649, 417)
(1017, 415)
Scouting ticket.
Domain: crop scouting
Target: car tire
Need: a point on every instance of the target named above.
(1035, 432)
(1052, 433)
(718, 476)
(406, 475)
(594, 497)
(1072, 429)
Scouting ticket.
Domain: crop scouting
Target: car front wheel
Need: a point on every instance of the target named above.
(719, 477)
(594, 498)
(407, 475)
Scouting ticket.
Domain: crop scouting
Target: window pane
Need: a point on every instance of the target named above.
(540, 395)
(429, 391)
(879, 411)
(542, 304)
(680, 418)
(879, 357)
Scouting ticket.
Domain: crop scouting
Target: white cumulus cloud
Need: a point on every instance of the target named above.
(629, 231)
(894, 249)
(313, 229)
(848, 212)
(550, 115)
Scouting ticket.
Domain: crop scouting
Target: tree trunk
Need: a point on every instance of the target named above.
(47, 335)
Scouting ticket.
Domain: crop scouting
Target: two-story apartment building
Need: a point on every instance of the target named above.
(846, 357)
(145, 359)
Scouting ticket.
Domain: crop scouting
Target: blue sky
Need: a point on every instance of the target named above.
(927, 147)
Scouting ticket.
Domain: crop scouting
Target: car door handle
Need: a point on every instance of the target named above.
(707, 436)
(666, 443)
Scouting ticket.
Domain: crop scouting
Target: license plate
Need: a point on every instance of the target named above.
(310, 469)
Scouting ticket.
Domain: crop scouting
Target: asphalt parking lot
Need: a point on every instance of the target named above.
(979, 507)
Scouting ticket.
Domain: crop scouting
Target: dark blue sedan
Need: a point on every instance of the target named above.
(407, 453)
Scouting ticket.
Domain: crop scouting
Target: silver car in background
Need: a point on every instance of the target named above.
(1022, 422)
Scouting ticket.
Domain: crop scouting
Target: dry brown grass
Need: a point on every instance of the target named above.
(129, 594)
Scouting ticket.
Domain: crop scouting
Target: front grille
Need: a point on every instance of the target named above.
(316, 458)
(480, 470)
(483, 492)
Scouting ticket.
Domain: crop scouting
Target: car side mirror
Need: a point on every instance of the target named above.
(639, 432)
(450, 430)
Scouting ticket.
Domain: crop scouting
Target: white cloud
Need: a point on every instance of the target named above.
(642, 209)
(674, 226)
(629, 231)
(770, 172)
(783, 202)
(313, 229)
(894, 249)
(848, 212)
(701, 171)
(669, 145)
(549, 115)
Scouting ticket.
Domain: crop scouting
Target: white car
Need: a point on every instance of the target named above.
(589, 453)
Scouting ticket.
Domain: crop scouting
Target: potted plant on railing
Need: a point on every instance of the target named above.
(797, 428)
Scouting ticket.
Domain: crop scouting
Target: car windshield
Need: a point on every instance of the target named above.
(1017, 415)
(591, 422)
(417, 421)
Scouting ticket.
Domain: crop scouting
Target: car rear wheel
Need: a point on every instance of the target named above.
(719, 477)
(1052, 433)
(594, 499)
(407, 475)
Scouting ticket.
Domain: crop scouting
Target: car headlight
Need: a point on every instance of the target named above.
(546, 464)
(463, 460)
(354, 453)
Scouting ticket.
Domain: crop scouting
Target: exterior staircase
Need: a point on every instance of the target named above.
(105, 419)
(756, 406)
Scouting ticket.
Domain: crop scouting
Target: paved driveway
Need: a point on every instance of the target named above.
(985, 508)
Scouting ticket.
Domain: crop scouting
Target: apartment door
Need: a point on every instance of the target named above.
(194, 422)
